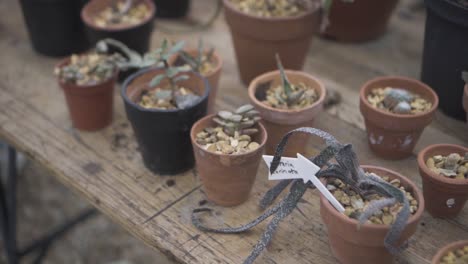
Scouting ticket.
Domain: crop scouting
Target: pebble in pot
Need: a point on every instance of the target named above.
(454, 253)
(287, 100)
(162, 104)
(228, 149)
(396, 110)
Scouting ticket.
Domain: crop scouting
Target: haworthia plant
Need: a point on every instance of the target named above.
(345, 169)
(242, 120)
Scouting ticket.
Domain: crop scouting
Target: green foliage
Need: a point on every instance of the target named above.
(197, 60)
(288, 94)
(242, 120)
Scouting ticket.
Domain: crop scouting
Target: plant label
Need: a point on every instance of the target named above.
(301, 168)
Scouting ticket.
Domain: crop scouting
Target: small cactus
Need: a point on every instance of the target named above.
(242, 120)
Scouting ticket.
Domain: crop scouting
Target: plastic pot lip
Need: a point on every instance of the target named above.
(441, 252)
(216, 69)
(427, 173)
(227, 4)
(377, 227)
(66, 60)
(363, 98)
(86, 18)
(269, 76)
(192, 137)
(128, 81)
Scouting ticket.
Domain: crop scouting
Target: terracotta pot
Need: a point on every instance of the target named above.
(444, 197)
(257, 39)
(365, 245)
(136, 37)
(163, 136)
(227, 179)
(393, 136)
(213, 77)
(450, 247)
(359, 21)
(90, 106)
(465, 101)
(278, 122)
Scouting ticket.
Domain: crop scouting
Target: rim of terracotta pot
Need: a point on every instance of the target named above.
(367, 86)
(228, 4)
(128, 81)
(441, 252)
(422, 157)
(198, 123)
(86, 17)
(270, 76)
(417, 194)
(66, 61)
(219, 60)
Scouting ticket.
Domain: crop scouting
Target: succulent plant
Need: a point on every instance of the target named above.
(287, 95)
(197, 62)
(346, 169)
(242, 120)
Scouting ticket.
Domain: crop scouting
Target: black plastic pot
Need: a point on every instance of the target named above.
(136, 37)
(172, 8)
(163, 136)
(445, 53)
(54, 26)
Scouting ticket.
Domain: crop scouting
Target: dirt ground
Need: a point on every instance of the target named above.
(43, 203)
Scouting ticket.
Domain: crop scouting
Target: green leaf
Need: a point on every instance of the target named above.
(189, 60)
(157, 80)
(284, 79)
(172, 71)
(200, 50)
(176, 48)
(180, 78)
(184, 68)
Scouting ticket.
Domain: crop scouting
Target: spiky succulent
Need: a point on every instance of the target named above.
(288, 94)
(242, 120)
(196, 62)
(346, 169)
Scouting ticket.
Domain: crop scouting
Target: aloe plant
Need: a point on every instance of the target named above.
(242, 120)
(345, 169)
(288, 94)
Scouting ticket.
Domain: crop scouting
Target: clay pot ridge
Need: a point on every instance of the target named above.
(450, 247)
(440, 149)
(93, 7)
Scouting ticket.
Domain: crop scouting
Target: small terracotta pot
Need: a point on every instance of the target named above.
(213, 77)
(227, 179)
(257, 39)
(465, 101)
(359, 21)
(365, 245)
(444, 197)
(137, 37)
(450, 247)
(278, 122)
(393, 136)
(90, 106)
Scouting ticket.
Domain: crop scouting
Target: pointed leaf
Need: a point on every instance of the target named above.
(176, 48)
(181, 78)
(244, 109)
(171, 72)
(284, 79)
(157, 80)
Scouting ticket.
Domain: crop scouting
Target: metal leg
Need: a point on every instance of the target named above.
(8, 220)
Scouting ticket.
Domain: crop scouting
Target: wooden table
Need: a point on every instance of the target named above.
(106, 168)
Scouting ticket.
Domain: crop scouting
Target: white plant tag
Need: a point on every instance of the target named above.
(301, 168)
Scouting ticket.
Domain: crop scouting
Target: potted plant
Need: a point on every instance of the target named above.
(374, 194)
(259, 30)
(465, 94)
(128, 21)
(454, 253)
(287, 100)
(205, 62)
(445, 53)
(228, 148)
(162, 104)
(362, 20)
(88, 82)
(55, 27)
(396, 110)
(444, 172)
(172, 8)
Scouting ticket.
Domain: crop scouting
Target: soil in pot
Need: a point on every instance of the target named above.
(88, 81)
(172, 8)
(258, 34)
(55, 27)
(128, 21)
(445, 53)
(454, 253)
(280, 114)
(228, 154)
(396, 110)
(359, 21)
(444, 171)
(365, 244)
(163, 131)
(209, 64)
